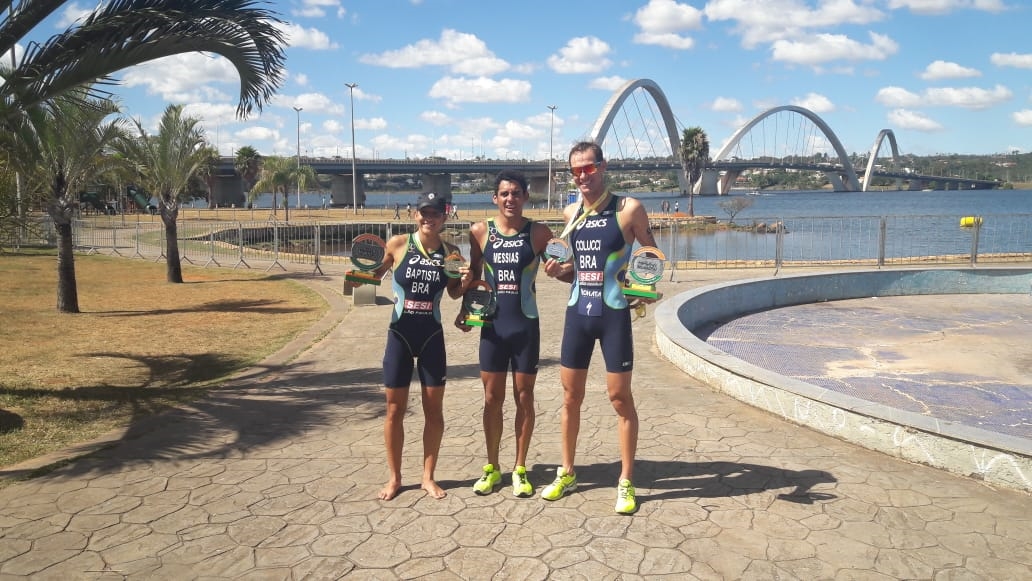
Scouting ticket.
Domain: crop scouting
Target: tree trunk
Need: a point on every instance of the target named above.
(67, 290)
(173, 263)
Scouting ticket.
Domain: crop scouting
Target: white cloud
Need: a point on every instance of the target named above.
(184, 78)
(607, 83)
(965, 97)
(301, 79)
(662, 23)
(947, 70)
(968, 97)
(374, 124)
(318, 103)
(318, 8)
(71, 15)
(301, 37)
(946, 6)
(463, 53)
(815, 102)
(905, 119)
(456, 90)
(585, 54)
(765, 21)
(726, 105)
(1012, 59)
(822, 48)
(897, 97)
(1023, 117)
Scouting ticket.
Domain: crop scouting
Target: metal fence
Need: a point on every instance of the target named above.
(774, 242)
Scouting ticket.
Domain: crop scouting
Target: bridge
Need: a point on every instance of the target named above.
(639, 132)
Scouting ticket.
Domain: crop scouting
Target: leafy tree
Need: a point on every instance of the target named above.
(209, 170)
(248, 163)
(165, 164)
(694, 152)
(280, 175)
(58, 150)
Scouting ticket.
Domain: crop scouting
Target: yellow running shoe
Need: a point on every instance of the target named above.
(492, 477)
(521, 486)
(625, 502)
(564, 483)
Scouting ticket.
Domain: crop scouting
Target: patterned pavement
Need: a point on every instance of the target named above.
(276, 475)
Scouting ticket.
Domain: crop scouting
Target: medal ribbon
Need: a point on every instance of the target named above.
(584, 214)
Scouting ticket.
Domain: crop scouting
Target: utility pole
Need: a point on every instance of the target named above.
(298, 110)
(354, 176)
(551, 127)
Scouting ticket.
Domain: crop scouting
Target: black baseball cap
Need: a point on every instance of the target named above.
(431, 200)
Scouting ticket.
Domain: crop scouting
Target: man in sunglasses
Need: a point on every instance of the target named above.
(602, 229)
(506, 249)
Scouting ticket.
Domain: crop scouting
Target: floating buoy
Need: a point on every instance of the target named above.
(969, 221)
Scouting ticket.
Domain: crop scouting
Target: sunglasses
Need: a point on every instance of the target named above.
(585, 170)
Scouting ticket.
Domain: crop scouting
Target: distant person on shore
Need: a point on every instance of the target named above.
(408, 210)
(506, 249)
(397, 211)
(677, 207)
(415, 337)
(602, 229)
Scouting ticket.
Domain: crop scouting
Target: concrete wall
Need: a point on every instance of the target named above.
(997, 459)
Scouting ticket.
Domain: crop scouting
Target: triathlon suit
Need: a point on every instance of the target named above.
(415, 330)
(514, 335)
(597, 309)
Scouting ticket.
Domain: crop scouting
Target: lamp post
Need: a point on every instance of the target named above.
(354, 176)
(298, 110)
(551, 126)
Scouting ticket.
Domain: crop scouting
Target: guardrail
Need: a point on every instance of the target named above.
(774, 242)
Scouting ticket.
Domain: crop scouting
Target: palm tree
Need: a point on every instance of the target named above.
(124, 33)
(694, 153)
(248, 164)
(280, 175)
(58, 150)
(209, 170)
(165, 163)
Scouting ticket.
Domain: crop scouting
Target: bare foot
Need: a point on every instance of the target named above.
(433, 489)
(389, 490)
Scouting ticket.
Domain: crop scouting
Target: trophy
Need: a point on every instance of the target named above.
(453, 263)
(645, 270)
(557, 249)
(367, 252)
(479, 302)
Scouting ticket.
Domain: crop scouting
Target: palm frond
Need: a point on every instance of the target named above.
(125, 33)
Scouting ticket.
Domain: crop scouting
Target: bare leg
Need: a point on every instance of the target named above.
(494, 399)
(523, 392)
(619, 387)
(433, 431)
(394, 438)
(573, 381)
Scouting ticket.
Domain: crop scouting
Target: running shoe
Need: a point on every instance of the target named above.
(521, 486)
(625, 502)
(563, 484)
(492, 477)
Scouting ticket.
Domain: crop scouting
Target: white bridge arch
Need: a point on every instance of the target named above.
(605, 120)
(882, 135)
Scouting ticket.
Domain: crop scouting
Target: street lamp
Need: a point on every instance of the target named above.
(354, 177)
(298, 110)
(551, 126)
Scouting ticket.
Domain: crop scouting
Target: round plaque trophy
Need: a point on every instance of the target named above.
(557, 249)
(479, 302)
(367, 253)
(645, 270)
(453, 265)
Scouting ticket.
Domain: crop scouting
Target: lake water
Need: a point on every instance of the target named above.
(774, 204)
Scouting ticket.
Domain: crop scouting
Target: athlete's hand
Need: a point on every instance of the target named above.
(554, 268)
(460, 322)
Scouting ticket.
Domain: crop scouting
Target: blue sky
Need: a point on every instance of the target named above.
(451, 77)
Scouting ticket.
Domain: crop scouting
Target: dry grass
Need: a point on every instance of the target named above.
(139, 345)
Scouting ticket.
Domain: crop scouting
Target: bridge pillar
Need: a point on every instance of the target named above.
(340, 190)
(539, 186)
(437, 182)
(228, 191)
(709, 185)
(836, 181)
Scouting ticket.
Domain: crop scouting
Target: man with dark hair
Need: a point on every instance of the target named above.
(602, 228)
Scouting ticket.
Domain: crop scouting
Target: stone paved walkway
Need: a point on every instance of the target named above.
(275, 477)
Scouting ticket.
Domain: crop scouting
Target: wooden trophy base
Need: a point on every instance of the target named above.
(361, 277)
(642, 291)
